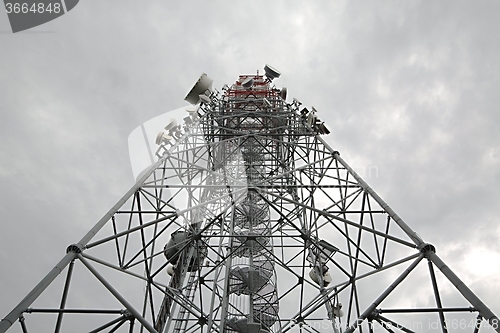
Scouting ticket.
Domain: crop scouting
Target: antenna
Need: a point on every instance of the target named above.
(248, 82)
(242, 203)
(311, 118)
(171, 124)
(201, 87)
(193, 112)
(205, 99)
(271, 73)
(163, 138)
(283, 93)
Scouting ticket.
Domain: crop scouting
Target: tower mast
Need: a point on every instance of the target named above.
(249, 222)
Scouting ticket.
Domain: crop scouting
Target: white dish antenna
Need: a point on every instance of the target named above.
(271, 73)
(162, 138)
(171, 124)
(283, 93)
(248, 82)
(311, 118)
(159, 138)
(323, 129)
(203, 85)
(193, 112)
(205, 99)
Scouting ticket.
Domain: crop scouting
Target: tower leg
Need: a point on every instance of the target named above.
(33, 295)
(466, 292)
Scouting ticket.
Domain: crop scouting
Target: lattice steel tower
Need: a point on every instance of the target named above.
(249, 222)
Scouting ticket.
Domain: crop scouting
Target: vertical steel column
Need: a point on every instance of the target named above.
(132, 322)
(229, 262)
(479, 319)
(23, 324)
(438, 298)
(64, 297)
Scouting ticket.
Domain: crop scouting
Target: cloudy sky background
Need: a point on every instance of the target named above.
(409, 89)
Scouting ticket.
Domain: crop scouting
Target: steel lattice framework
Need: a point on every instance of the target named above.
(261, 226)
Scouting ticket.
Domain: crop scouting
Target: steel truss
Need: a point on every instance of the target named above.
(263, 228)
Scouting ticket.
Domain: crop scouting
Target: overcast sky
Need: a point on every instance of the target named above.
(407, 88)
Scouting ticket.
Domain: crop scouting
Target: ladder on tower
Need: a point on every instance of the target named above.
(189, 291)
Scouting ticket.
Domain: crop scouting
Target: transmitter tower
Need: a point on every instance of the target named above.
(249, 222)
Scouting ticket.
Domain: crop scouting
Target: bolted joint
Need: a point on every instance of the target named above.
(127, 314)
(427, 248)
(75, 248)
(494, 322)
(202, 321)
(375, 313)
(336, 152)
(299, 321)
